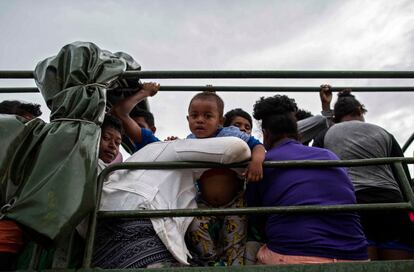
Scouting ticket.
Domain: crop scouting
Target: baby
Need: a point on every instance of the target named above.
(220, 188)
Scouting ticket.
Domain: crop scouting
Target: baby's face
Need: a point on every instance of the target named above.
(242, 123)
(204, 118)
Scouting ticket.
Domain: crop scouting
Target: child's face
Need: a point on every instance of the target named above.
(109, 144)
(204, 118)
(143, 124)
(242, 123)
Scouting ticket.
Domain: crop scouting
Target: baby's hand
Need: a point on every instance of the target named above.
(254, 171)
(150, 88)
(171, 138)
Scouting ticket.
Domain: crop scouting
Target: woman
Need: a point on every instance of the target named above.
(314, 238)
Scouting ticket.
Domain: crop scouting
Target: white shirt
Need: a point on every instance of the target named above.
(169, 189)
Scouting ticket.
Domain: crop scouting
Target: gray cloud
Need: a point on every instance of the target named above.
(162, 35)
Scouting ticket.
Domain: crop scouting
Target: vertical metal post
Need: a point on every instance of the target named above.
(404, 183)
(93, 221)
(34, 260)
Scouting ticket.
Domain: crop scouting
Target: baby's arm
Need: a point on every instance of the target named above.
(124, 107)
(254, 170)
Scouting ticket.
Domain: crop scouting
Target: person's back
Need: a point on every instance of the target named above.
(389, 232)
(360, 140)
(302, 238)
(310, 186)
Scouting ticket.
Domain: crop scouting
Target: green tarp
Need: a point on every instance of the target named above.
(50, 169)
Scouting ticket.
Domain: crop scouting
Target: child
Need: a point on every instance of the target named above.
(255, 225)
(239, 118)
(139, 132)
(218, 187)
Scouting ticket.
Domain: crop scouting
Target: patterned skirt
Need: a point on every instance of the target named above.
(123, 243)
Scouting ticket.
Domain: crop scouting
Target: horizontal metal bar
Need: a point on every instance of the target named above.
(372, 266)
(16, 74)
(269, 74)
(270, 164)
(254, 210)
(19, 90)
(240, 89)
(282, 89)
(243, 74)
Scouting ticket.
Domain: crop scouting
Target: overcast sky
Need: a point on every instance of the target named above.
(226, 35)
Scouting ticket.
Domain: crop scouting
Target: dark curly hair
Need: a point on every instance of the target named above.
(210, 95)
(148, 116)
(303, 114)
(277, 114)
(19, 108)
(112, 122)
(230, 115)
(347, 104)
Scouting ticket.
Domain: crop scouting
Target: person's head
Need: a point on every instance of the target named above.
(239, 118)
(303, 114)
(143, 118)
(28, 111)
(277, 114)
(111, 138)
(348, 108)
(205, 114)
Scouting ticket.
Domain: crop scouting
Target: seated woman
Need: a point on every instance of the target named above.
(389, 233)
(155, 242)
(307, 238)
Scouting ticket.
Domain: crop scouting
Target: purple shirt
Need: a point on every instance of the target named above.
(337, 235)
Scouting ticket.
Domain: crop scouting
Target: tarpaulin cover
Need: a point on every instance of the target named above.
(50, 169)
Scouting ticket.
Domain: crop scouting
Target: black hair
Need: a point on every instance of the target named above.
(230, 115)
(347, 104)
(303, 114)
(148, 116)
(19, 108)
(112, 122)
(278, 116)
(210, 95)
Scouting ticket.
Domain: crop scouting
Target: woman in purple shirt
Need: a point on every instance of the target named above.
(308, 238)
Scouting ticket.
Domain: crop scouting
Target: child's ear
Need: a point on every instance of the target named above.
(221, 121)
(153, 129)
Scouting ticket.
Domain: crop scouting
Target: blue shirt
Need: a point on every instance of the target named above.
(235, 132)
(147, 138)
(334, 235)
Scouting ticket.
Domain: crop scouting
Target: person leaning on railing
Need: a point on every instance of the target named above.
(309, 238)
(389, 232)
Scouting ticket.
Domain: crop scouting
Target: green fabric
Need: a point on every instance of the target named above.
(53, 166)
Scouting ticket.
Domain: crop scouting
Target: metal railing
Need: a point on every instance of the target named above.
(242, 89)
(396, 163)
(240, 74)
